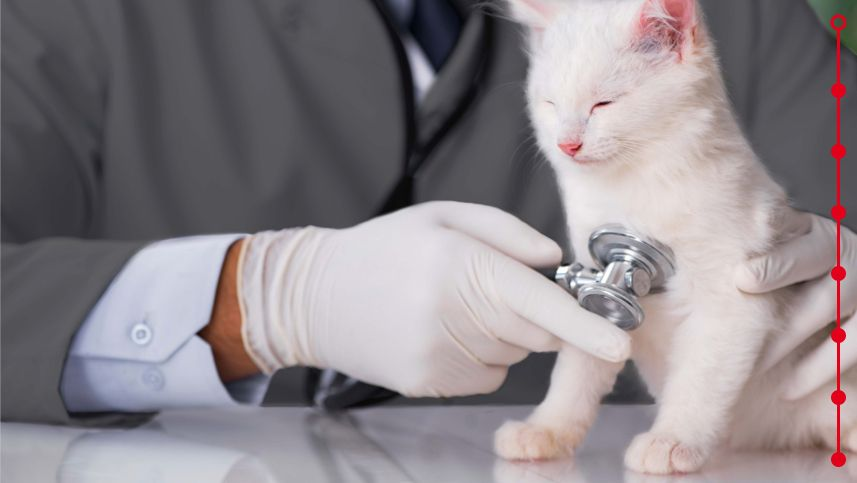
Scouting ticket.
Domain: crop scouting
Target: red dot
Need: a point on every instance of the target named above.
(838, 22)
(838, 273)
(838, 212)
(838, 397)
(838, 151)
(838, 335)
(838, 459)
(838, 90)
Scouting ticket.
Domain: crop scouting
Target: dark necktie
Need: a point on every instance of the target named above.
(435, 24)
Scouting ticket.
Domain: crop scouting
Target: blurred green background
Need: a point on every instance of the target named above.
(825, 9)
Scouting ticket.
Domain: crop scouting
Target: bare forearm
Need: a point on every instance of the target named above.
(223, 332)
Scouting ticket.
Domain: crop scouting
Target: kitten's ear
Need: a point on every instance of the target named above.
(536, 14)
(667, 25)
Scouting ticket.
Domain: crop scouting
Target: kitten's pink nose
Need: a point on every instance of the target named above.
(570, 148)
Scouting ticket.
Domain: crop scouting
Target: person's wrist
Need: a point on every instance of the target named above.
(276, 282)
(223, 332)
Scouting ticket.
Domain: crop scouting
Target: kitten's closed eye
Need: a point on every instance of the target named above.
(600, 105)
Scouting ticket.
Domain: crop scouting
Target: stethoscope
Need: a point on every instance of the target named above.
(629, 267)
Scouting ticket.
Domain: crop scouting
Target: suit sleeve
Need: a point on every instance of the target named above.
(52, 274)
(793, 121)
(779, 62)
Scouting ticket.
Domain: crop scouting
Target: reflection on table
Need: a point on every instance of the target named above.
(449, 444)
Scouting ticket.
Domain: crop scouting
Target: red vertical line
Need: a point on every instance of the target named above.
(838, 240)
(838, 187)
(838, 347)
(838, 142)
(838, 237)
(838, 300)
(838, 121)
(839, 55)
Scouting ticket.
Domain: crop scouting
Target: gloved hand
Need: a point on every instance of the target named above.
(809, 257)
(433, 300)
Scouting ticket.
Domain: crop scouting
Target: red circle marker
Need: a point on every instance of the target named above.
(838, 90)
(838, 273)
(838, 212)
(838, 459)
(838, 335)
(838, 151)
(838, 397)
(838, 22)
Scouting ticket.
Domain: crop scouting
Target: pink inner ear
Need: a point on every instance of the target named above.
(683, 11)
(666, 24)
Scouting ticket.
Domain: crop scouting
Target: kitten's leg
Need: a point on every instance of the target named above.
(560, 422)
(711, 358)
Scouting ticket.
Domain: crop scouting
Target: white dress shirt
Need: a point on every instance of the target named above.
(138, 349)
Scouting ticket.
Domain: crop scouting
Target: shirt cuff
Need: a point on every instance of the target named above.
(138, 350)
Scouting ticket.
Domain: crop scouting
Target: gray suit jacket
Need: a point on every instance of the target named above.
(126, 121)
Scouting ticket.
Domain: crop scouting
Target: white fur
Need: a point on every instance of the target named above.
(667, 159)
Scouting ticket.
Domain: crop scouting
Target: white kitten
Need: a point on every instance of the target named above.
(629, 106)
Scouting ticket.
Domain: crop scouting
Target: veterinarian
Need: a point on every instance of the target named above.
(165, 164)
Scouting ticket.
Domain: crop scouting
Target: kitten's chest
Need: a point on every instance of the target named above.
(660, 218)
(652, 341)
(586, 214)
(678, 218)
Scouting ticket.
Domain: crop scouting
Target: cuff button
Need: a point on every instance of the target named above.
(153, 378)
(141, 334)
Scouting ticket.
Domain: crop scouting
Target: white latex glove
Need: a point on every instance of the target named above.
(433, 300)
(809, 257)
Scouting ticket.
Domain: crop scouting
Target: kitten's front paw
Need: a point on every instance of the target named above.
(663, 454)
(518, 440)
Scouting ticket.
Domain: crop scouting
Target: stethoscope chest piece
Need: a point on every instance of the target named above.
(628, 267)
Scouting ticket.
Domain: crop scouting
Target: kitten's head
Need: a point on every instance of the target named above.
(610, 77)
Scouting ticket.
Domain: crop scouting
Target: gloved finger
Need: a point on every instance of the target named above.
(488, 350)
(800, 259)
(815, 308)
(818, 368)
(528, 336)
(548, 306)
(482, 327)
(465, 381)
(489, 380)
(511, 329)
(498, 229)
